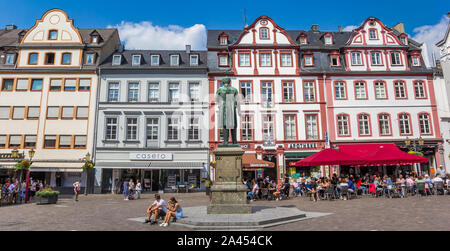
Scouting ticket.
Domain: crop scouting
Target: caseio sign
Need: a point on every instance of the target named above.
(151, 156)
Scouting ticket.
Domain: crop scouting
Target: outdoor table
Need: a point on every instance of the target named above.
(181, 186)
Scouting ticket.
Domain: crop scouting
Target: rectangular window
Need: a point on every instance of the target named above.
(153, 92)
(308, 60)
(309, 92)
(264, 33)
(267, 92)
(194, 91)
(419, 89)
(373, 34)
(360, 90)
(364, 128)
(30, 141)
(339, 90)
(36, 84)
(50, 141)
(311, 127)
(244, 59)
(173, 128)
(136, 60)
(247, 127)
(328, 40)
(22, 84)
(290, 128)
(70, 84)
(193, 60)
(33, 112)
(286, 59)
(133, 92)
(265, 59)
(111, 129)
(32, 58)
(49, 58)
(132, 126)
(67, 58)
(155, 60)
(80, 141)
(343, 125)
(384, 124)
(152, 130)
(334, 60)
(55, 84)
(85, 84)
(223, 40)
(246, 91)
(303, 40)
(400, 91)
(395, 58)
(10, 58)
(356, 58)
(15, 141)
(52, 35)
(380, 90)
(174, 92)
(223, 60)
(404, 124)
(376, 58)
(194, 129)
(174, 60)
(2, 141)
(416, 61)
(288, 92)
(67, 112)
(18, 112)
(53, 112)
(8, 84)
(117, 59)
(268, 127)
(82, 112)
(65, 141)
(113, 92)
(424, 122)
(4, 112)
(90, 58)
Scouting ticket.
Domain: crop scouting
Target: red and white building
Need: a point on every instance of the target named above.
(302, 88)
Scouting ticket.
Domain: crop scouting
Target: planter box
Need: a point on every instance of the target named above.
(48, 200)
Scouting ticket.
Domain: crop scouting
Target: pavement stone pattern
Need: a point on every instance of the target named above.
(111, 212)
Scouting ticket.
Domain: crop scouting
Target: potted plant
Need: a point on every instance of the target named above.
(47, 196)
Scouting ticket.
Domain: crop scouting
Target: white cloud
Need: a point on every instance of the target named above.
(145, 35)
(431, 34)
(350, 27)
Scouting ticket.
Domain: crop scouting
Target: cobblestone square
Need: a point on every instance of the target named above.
(110, 212)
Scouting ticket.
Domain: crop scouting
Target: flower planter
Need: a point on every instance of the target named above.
(48, 199)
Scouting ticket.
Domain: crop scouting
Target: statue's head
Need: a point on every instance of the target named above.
(226, 81)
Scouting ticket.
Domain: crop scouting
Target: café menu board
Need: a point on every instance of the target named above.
(151, 156)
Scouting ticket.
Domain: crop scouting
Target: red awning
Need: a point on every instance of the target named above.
(330, 157)
(382, 154)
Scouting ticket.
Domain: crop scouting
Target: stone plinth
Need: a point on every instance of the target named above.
(228, 194)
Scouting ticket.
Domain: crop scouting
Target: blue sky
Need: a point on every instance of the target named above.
(228, 14)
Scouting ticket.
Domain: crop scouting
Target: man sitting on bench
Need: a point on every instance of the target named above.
(158, 208)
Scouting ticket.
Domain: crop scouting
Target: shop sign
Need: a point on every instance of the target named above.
(151, 156)
(304, 145)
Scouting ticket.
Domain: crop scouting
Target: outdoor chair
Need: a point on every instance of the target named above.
(353, 194)
(421, 189)
(344, 192)
(265, 193)
(285, 193)
(439, 188)
(329, 192)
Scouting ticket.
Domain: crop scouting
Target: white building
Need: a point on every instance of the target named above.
(48, 94)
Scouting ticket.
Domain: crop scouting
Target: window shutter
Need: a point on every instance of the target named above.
(65, 140)
(2, 140)
(52, 112)
(55, 84)
(4, 112)
(70, 84)
(33, 112)
(30, 139)
(22, 84)
(80, 140)
(85, 84)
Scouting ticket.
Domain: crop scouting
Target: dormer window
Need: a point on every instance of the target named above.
(136, 60)
(223, 40)
(52, 35)
(155, 60)
(174, 60)
(10, 58)
(308, 59)
(415, 58)
(303, 40)
(334, 60)
(223, 60)
(328, 39)
(90, 58)
(94, 39)
(373, 34)
(403, 39)
(264, 33)
(193, 59)
(117, 59)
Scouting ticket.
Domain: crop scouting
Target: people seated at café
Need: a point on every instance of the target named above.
(254, 192)
(296, 186)
(278, 191)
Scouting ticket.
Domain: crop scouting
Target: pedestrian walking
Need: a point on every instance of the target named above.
(125, 189)
(138, 190)
(76, 188)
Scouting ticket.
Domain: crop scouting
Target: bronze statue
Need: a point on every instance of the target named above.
(227, 98)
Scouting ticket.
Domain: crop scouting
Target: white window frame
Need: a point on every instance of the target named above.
(176, 126)
(132, 135)
(247, 127)
(244, 59)
(153, 63)
(157, 91)
(360, 90)
(404, 125)
(290, 127)
(135, 90)
(265, 59)
(376, 58)
(396, 58)
(111, 126)
(400, 88)
(380, 90)
(343, 121)
(133, 63)
(419, 89)
(287, 61)
(114, 61)
(339, 90)
(288, 91)
(364, 124)
(356, 60)
(116, 90)
(196, 60)
(424, 123)
(170, 87)
(384, 124)
(171, 60)
(311, 126)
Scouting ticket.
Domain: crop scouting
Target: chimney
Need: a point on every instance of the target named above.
(315, 27)
(340, 28)
(10, 27)
(188, 48)
(399, 27)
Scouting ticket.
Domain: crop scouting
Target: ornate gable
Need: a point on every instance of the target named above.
(54, 27)
(373, 32)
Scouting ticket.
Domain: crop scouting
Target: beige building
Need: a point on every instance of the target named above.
(48, 93)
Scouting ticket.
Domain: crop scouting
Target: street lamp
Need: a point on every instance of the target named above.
(15, 153)
(87, 161)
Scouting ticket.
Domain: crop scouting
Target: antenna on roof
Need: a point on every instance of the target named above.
(245, 19)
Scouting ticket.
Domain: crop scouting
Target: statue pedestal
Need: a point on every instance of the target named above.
(228, 194)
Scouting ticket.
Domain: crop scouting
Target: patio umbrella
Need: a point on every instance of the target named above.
(330, 157)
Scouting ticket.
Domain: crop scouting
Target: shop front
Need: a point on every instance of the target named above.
(290, 158)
